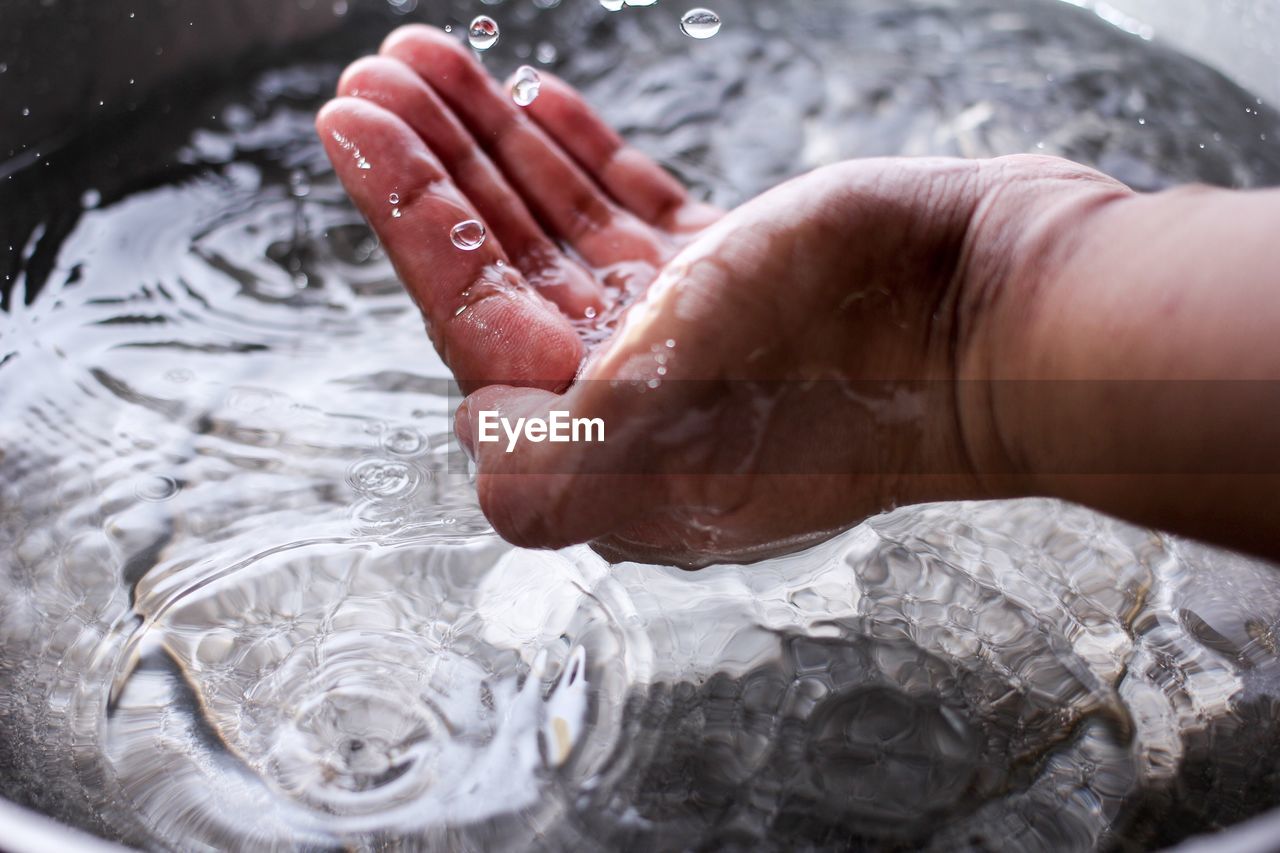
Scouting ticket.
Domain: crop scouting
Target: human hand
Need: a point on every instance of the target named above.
(815, 356)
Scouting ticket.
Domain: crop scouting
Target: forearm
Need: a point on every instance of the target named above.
(1140, 372)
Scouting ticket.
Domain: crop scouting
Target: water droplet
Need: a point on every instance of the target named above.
(394, 198)
(700, 23)
(546, 52)
(90, 199)
(483, 32)
(468, 235)
(590, 313)
(671, 343)
(156, 489)
(654, 383)
(546, 4)
(525, 86)
(611, 5)
(26, 111)
(395, 213)
(640, 2)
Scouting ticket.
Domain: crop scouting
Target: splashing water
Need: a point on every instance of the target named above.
(468, 235)
(700, 23)
(249, 601)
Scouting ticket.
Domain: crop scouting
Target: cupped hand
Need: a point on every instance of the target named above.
(815, 356)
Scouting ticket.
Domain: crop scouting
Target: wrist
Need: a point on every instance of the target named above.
(1035, 214)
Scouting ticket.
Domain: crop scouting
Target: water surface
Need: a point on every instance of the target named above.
(248, 599)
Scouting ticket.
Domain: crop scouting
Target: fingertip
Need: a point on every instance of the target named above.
(414, 38)
(363, 76)
(410, 32)
(334, 119)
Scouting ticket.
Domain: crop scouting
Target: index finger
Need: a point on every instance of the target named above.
(483, 317)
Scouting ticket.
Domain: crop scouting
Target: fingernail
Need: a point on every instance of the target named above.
(462, 431)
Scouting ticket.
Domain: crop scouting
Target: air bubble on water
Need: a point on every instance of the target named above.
(156, 489)
(404, 441)
(299, 183)
(700, 23)
(383, 478)
(611, 5)
(468, 235)
(545, 52)
(483, 32)
(90, 199)
(525, 86)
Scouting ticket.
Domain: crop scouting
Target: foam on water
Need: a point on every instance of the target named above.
(248, 599)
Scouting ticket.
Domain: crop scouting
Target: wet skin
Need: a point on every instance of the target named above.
(917, 296)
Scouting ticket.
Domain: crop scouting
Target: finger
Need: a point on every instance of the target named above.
(536, 494)
(563, 197)
(633, 179)
(393, 85)
(482, 316)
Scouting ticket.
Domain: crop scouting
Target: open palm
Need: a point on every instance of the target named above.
(565, 204)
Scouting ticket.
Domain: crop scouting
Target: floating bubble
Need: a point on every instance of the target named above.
(468, 235)
(404, 441)
(156, 489)
(611, 5)
(383, 478)
(299, 183)
(700, 23)
(525, 86)
(483, 32)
